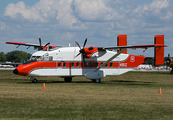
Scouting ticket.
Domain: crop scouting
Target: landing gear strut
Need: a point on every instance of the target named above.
(34, 80)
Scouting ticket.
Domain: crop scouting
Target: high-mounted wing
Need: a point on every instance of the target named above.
(134, 46)
(25, 44)
(123, 48)
(36, 46)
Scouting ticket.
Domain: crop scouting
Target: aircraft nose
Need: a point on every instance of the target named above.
(15, 71)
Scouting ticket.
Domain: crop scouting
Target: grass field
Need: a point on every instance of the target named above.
(131, 96)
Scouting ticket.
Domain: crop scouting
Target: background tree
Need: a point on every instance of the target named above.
(17, 56)
(2, 57)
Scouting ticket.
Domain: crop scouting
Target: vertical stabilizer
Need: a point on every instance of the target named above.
(159, 51)
(122, 41)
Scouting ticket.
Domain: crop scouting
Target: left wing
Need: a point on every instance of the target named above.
(36, 46)
(25, 44)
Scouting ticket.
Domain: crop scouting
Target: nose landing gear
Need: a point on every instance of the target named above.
(34, 80)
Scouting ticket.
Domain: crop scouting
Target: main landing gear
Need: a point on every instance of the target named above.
(97, 80)
(34, 80)
(68, 79)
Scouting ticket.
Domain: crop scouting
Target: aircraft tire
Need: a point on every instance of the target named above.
(34, 80)
(97, 80)
(68, 79)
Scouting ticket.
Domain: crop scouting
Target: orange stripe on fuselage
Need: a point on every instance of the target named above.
(131, 61)
(25, 69)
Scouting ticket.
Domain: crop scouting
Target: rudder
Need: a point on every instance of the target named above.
(122, 41)
(159, 51)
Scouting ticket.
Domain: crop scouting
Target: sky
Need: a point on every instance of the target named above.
(62, 22)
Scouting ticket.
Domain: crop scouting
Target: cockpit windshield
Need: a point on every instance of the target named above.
(36, 58)
(45, 57)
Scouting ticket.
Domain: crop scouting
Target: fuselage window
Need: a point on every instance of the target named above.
(59, 64)
(111, 64)
(97, 64)
(72, 64)
(46, 58)
(77, 64)
(64, 64)
(50, 58)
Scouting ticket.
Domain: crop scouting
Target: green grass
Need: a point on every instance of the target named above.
(132, 96)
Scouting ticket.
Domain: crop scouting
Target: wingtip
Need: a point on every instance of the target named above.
(161, 45)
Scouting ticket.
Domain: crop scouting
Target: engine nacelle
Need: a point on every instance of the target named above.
(95, 75)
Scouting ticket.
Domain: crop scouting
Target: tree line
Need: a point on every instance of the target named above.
(14, 56)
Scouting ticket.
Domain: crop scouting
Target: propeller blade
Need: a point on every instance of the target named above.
(82, 51)
(47, 44)
(78, 44)
(168, 61)
(83, 60)
(77, 55)
(40, 41)
(40, 44)
(85, 43)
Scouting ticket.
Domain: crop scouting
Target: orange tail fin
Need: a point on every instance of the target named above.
(159, 51)
(122, 41)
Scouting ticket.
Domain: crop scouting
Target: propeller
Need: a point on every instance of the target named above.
(82, 51)
(168, 61)
(41, 48)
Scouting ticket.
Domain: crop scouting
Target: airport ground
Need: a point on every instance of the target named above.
(133, 95)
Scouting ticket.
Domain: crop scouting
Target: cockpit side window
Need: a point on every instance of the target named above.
(35, 58)
(45, 57)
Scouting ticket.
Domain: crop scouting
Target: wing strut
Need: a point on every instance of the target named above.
(110, 59)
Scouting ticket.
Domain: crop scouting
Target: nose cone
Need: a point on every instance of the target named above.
(15, 71)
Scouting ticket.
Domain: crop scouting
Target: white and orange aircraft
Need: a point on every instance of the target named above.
(92, 62)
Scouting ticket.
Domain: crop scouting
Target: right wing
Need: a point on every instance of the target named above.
(134, 46)
(122, 49)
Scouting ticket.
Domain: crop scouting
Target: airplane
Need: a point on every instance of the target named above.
(92, 62)
(169, 63)
(6, 66)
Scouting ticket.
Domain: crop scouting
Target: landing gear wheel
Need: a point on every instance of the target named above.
(68, 79)
(34, 80)
(97, 80)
